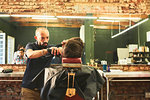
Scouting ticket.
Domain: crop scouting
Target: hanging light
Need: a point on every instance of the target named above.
(129, 28)
(4, 15)
(81, 17)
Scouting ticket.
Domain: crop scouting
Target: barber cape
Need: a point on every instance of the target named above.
(87, 83)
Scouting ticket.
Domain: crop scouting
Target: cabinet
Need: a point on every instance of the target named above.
(140, 57)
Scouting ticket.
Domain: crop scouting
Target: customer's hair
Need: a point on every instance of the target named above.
(21, 50)
(19, 46)
(73, 48)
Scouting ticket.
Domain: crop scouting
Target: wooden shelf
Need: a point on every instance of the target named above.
(140, 52)
(139, 57)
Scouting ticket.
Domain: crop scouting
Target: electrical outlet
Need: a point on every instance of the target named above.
(147, 94)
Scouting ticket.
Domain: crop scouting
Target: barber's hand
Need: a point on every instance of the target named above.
(53, 50)
(56, 51)
(59, 51)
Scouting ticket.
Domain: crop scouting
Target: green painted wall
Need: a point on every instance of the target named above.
(143, 28)
(7, 27)
(57, 35)
(106, 47)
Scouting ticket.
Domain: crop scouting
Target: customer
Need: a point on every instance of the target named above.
(87, 80)
(20, 59)
(16, 53)
(39, 57)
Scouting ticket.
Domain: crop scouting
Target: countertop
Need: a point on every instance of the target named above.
(120, 73)
(13, 74)
(113, 73)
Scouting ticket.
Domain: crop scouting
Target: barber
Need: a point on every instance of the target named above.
(39, 55)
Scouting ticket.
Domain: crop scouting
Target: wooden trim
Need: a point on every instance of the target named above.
(32, 20)
(109, 27)
(113, 23)
(49, 25)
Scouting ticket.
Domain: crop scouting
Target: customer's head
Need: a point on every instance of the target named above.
(42, 36)
(21, 53)
(73, 48)
(20, 47)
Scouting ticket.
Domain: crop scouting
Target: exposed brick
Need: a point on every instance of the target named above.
(22, 3)
(110, 6)
(128, 90)
(10, 90)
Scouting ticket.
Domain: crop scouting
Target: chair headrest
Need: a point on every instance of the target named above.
(71, 60)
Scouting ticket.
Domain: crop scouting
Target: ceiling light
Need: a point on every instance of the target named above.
(4, 15)
(120, 18)
(31, 16)
(130, 28)
(21, 15)
(91, 25)
(44, 18)
(107, 20)
(82, 17)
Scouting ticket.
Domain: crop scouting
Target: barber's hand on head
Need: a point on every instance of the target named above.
(64, 42)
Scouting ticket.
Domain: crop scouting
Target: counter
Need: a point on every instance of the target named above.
(13, 74)
(129, 67)
(126, 78)
(127, 74)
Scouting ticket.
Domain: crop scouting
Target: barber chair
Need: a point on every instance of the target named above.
(72, 65)
(70, 82)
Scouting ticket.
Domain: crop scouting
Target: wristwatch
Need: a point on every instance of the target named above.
(49, 50)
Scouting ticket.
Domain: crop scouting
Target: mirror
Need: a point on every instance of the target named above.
(22, 28)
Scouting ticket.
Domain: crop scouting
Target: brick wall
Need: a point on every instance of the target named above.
(128, 90)
(118, 90)
(10, 90)
(74, 6)
(10, 87)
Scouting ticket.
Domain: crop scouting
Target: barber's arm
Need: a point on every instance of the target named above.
(38, 53)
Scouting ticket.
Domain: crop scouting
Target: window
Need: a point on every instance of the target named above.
(2, 48)
(10, 49)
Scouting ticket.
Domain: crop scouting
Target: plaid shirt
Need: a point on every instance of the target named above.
(20, 61)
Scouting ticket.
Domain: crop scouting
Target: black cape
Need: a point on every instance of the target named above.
(88, 82)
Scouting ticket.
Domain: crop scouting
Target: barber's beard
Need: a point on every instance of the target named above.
(44, 45)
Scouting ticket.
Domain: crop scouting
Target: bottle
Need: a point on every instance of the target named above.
(104, 68)
(108, 69)
(104, 63)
